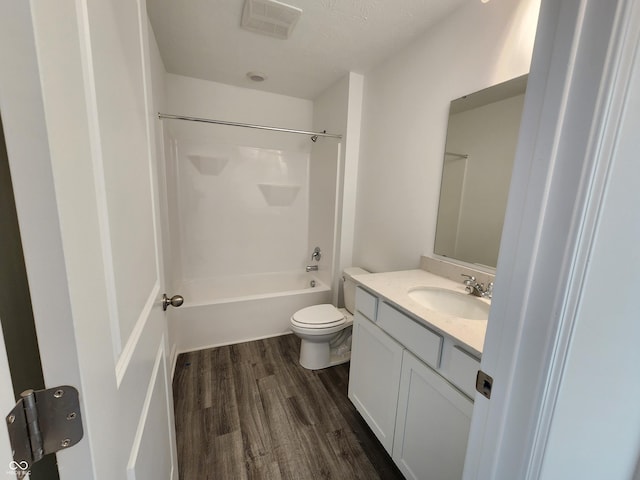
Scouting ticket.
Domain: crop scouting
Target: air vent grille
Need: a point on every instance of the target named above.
(270, 17)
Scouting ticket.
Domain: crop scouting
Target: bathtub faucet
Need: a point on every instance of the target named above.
(312, 268)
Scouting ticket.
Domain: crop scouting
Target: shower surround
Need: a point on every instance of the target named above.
(240, 213)
(243, 209)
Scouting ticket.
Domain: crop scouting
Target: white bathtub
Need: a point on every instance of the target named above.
(222, 311)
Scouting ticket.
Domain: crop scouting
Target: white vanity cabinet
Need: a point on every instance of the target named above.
(412, 386)
(374, 377)
(432, 424)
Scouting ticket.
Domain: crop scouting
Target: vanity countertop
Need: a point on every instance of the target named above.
(394, 286)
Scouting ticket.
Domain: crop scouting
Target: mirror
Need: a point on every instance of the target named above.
(482, 135)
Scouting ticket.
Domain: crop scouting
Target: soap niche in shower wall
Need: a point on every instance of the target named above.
(279, 195)
(209, 165)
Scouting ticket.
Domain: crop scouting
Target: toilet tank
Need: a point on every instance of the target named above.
(350, 287)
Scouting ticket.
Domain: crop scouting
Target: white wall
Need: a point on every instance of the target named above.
(227, 223)
(334, 168)
(406, 102)
(327, 156)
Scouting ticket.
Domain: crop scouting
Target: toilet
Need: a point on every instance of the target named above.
(324, 330)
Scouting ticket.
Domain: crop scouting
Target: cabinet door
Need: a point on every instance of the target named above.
(432, 425)
(374, 378)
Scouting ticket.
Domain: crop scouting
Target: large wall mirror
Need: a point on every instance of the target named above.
(481, 142)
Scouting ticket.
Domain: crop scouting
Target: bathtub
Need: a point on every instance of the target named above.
(234, 309)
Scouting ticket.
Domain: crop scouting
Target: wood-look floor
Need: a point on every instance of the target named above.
(250, 411)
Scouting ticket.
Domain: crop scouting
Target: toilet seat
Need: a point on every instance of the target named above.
(318, 317)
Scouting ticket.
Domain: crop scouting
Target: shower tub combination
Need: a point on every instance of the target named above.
(233, 309)
(265, 191)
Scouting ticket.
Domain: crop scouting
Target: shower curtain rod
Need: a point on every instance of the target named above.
(459, 155)
(247, 125)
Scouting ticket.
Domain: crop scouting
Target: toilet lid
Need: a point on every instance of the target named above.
(319, 316)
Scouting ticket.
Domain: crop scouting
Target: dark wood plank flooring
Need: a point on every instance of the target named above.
(250, 411)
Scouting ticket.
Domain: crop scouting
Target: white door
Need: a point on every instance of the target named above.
(94, 80)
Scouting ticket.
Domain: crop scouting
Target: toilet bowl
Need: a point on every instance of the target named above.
(324, 330)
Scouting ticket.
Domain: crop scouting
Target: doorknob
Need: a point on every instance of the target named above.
(174, 301)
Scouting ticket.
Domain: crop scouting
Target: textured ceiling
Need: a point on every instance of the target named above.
(203, 39)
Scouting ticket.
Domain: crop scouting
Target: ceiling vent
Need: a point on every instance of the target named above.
(270, 17)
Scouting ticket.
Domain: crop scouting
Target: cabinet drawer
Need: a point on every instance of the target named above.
(366, 303)
(462, 370)
(417, 338)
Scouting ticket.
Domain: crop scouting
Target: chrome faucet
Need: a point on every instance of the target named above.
(477, 289)
(316, 255)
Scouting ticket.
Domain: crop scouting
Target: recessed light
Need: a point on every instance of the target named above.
(256, 76)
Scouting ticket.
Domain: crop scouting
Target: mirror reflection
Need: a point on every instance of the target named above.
(482, 135)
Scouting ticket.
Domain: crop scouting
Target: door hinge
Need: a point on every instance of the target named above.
(484, 383)
(43, 422)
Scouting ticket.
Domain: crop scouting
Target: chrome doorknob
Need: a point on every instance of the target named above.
(174, 301)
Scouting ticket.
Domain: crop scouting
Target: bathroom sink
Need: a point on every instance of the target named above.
(449, 302)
